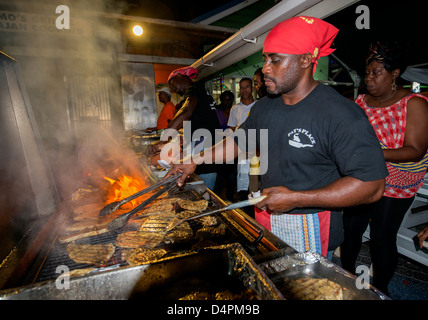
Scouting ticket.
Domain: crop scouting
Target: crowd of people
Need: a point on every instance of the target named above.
(334, 166)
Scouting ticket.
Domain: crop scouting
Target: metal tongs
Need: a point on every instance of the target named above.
(121, 221)
(113, 206)
(237, 205)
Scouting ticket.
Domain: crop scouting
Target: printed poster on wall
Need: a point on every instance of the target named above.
(139, 96)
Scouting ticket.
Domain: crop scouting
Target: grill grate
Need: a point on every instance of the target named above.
(58, 255)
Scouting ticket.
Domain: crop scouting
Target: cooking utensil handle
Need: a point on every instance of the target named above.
(245, 203)
(260, 231)
(251, 202)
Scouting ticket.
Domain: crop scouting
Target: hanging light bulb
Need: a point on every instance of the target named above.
(137, 30)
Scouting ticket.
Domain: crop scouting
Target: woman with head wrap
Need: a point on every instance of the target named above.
(400, 120)
(314, 152)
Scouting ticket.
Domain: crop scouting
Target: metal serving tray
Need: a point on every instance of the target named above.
(310, 264)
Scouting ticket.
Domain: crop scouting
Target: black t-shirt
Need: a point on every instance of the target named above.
(315, 142)
(203, 117)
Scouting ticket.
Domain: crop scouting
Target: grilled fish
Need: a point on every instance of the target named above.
(160, 206)
(211, 232)
(311, 289)
(157, 223)
(182, 233)
(97, 254)
(84, 234)
(134, 239)
(138, 256)
(199, 205)
(207, 221)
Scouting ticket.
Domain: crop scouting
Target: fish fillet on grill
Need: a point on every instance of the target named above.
(211, 232)
(86, 233)
(87, 224)
(311, 289)
(199, 205)
(134, 239)
(183, 232)
(157, 223)
(89, 209)
(97, 254)
(159, 206)
(207, 221)
(138, 256)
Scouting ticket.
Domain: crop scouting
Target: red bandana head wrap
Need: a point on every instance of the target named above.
(300, 35)
(187, 71)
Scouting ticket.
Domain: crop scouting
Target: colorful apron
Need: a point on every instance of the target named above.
(302, 232)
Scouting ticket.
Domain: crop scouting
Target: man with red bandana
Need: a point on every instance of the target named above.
(199, 109)
(323, 154)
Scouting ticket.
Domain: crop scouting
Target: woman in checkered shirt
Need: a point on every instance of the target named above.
(400, 120)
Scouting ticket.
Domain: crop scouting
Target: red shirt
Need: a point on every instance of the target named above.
(167, 113)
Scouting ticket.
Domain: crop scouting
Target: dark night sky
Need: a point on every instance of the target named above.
(388, 20)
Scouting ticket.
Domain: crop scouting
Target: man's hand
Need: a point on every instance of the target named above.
(185, 169)
(423, 235)
(155, 148)
(279, 199)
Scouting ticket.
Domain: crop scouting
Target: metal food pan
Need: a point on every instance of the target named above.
(230, 264)
(313, 265)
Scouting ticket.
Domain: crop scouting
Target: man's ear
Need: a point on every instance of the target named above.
(306, 60)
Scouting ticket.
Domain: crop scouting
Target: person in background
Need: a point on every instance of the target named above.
(223, 109)
(238, 115)
(261, 91)
(226, 172)
(259, 83)
(317, 143)
(198, 108)
(239, 112)
(400, 120)
(168, 109)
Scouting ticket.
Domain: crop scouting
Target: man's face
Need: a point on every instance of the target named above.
(177, 85)
(227, 101)
(163, 97)
(245, 89)
(281, 72)
(258, 82)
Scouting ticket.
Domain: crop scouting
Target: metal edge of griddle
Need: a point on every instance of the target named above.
(32, 261)
(268, 241)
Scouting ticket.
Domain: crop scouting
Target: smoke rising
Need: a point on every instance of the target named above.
(73, 81)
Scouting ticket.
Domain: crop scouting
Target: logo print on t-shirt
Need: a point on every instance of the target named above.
(301, 138)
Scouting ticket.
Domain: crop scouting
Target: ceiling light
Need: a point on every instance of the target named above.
(138, 30)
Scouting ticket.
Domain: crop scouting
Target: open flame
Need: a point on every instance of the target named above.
(123, 187)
